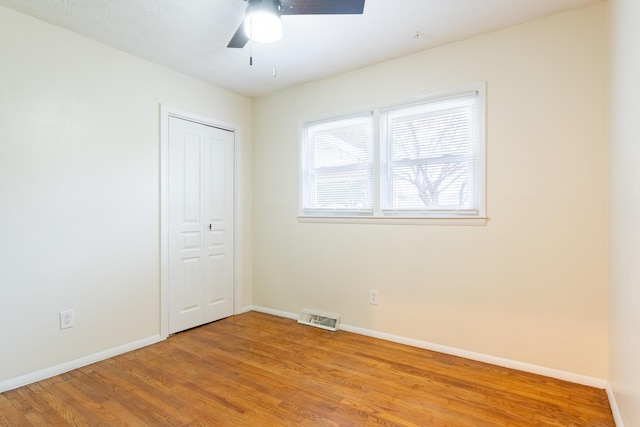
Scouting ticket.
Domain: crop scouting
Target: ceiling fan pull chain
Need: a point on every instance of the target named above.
(275, 71)
(250, 42)
(250, 52)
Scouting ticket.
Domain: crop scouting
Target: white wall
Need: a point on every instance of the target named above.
(531, 286)
(624, 371)
(79, 191)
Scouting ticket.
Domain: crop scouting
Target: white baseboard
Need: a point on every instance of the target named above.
(246, 309)
(480, 357)
(43, 374)
(278, 313)
(617, 417)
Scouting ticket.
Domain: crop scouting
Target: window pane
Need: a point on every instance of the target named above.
(434, 186)
(348, 190)
(431, 156)
(430, 135)
(339, 164)
(342, 146)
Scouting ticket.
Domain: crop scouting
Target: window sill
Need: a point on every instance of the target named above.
(475, 221)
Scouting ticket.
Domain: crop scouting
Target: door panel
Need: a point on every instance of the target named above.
(201, 224)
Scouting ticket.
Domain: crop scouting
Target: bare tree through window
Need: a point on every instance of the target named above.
(429, 159)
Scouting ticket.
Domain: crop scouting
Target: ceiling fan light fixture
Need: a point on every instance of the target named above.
(263, 24)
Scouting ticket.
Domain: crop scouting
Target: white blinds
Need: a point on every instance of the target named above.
(420, 160)
(430, 157)
(339, 166)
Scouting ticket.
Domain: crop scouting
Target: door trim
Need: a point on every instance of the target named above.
(166, 112)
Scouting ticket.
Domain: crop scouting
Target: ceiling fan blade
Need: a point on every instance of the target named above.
(322, 7)
(240, 38)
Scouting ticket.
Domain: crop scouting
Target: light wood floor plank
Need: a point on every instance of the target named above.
(259, 370)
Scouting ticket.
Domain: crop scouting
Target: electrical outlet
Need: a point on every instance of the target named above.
(67, 319)
(373, 297)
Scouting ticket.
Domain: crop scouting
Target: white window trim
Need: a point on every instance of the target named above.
(378, 216)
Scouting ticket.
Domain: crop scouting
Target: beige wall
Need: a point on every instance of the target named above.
(79, 202)
(531, 286)
(79, 191)
(624, 371)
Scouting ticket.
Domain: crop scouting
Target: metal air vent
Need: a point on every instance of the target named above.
(326, 321)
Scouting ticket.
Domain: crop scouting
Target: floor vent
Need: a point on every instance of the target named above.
(326, 321)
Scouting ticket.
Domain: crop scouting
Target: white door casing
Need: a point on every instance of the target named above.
(198, 223)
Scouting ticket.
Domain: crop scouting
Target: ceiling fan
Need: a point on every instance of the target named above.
(262, 18)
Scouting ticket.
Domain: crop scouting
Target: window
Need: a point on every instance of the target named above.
(339, 166)
(424, 160)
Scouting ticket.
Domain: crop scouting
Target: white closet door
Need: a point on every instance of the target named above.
(201, 226)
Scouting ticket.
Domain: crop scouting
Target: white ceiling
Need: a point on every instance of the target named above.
(191, 36)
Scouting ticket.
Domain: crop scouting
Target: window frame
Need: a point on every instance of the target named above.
(380, 213)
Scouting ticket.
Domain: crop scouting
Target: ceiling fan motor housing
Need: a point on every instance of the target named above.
(277, 8)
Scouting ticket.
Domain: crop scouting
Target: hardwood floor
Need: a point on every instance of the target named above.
(260, 370)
